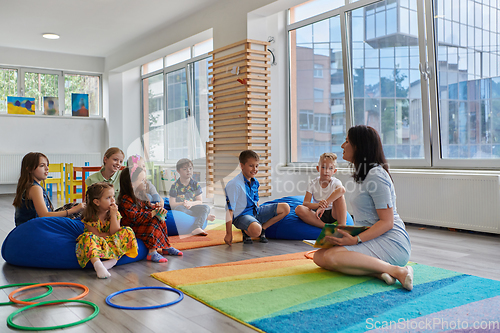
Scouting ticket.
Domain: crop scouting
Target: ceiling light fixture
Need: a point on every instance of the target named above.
(50, 36)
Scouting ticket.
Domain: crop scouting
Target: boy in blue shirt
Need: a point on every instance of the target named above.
(243, 210)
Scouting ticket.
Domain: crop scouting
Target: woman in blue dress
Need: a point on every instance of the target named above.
(384, 249)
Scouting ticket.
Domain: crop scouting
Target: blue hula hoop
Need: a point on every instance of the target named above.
(108, 299)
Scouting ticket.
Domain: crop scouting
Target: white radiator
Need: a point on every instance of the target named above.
(453, 200)
(10, 164)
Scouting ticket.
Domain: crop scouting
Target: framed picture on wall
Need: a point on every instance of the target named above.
(80, 105)
(51, 106)
(20, 105)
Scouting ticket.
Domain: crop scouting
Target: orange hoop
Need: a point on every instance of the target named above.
(310, 254)
(85, 291)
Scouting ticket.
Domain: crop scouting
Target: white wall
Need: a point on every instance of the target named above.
(59, 135)
(50, 60)
(227, 19)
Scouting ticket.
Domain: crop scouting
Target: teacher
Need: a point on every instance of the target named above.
(384, 249)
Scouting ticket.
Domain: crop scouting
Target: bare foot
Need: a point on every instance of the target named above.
(199, 232)
(211, 217)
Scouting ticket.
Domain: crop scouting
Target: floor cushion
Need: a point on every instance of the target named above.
(49, 242)
(178, 223)
(292, 227)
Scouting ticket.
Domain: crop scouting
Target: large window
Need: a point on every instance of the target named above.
(317, 89)
(82, 84)
(386, 78)
(468, 57)
(40, 83)
(406, 74)
(175, 105)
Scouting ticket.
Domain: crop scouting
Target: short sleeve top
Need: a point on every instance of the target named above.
(319, 193)
(183, 192)
(113, 180)
(101, 226)
(375, 192)
(242, 195)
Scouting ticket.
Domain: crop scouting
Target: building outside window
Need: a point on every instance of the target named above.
(382, 41)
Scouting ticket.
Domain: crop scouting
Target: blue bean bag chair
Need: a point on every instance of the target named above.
(178, 223)
(292, 227)
(49, 242)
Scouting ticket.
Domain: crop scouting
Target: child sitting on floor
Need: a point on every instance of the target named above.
(148, 222)
(242, 203)
(103, 237)
(150, 193)
(110, 171)
(31, 198)
(327, 194)
(185, 196)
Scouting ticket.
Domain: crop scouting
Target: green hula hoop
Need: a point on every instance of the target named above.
(28, 299)
(26, 328)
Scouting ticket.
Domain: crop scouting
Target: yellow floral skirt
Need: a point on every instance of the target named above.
(122, 242)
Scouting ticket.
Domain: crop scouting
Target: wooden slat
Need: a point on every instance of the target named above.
(256, 64)
(241, 42)
(240, 121)
(251, 96)
(257, 77)
(239, 134)
(231, 91)
(230, 84)
(247, 86)
(227, 47)
(227, 69)
(258, 52)
(241, 140)
(220, 80)
(238, 115)
(230, 98)
(225, 105)
(236, 154)
(233, 59)
(241, 147)
(232, 55)
(229, 61)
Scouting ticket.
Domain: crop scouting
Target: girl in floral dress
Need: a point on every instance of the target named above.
(103, 237)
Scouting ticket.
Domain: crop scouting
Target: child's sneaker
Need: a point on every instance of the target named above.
(262, 236)
(246, 239)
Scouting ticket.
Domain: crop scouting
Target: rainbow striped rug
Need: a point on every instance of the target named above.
(289, 293)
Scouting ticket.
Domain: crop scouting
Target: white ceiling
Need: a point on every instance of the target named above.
(87, 27)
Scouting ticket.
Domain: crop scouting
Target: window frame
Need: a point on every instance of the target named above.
(21, 71)
(188, 65)
(429, 89)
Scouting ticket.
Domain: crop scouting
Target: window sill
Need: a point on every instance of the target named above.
(47, 116)
(434, 171)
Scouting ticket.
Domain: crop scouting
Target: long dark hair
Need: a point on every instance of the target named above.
(28, 165)
(94, 191)
(126, 180)
(368, 151)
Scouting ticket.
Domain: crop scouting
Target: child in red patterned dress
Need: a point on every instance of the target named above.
(147, 221)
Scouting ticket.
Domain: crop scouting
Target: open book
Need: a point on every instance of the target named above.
(332, 230)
